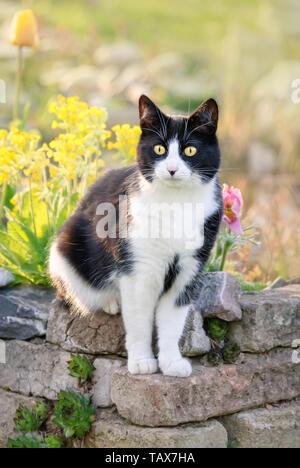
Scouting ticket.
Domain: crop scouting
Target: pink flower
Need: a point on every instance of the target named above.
(233, 202)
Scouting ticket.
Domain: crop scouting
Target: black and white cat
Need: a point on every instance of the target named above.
(152, 277)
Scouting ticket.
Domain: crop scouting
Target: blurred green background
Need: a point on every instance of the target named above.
(245, 54)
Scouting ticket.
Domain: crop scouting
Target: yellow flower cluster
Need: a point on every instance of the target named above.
(77, 152)
(19, 152)
(70, 162)
(126, 140)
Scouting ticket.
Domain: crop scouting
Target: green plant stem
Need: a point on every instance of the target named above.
(31, 208)
(18, 83)
(224, 255)
(4, 188)
(47, 201)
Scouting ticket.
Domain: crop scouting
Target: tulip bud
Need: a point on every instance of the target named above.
(24, 30)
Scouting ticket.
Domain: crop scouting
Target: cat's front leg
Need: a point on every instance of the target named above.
(170, 323)
(139, 298)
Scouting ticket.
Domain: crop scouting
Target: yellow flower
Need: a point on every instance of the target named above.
(3, 134)
(24, 29)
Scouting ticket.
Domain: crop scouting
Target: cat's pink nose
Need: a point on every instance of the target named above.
(172, 170)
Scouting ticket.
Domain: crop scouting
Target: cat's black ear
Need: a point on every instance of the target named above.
(207, 114)
(150, 114)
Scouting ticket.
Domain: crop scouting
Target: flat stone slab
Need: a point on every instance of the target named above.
(9, 403)
(43, 371)
(275, 427)
(38, 370)
(24, 312)
(111, 431)
(271, 318)
(220, 296)
(101, 333)
(156, 400)
(97, 333)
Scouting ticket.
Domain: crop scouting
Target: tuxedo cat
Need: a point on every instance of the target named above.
(152, 277)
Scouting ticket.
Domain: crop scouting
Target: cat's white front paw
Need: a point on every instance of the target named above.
(112, 307)
(142, 366)
(179, 368)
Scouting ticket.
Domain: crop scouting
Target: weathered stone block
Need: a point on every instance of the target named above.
(219, 296)
(102, 380)
(110, 431)
(6, 278)
(101, 333)
(194, 341)
(38, 370)
(275, 427)
(156, 400)
(9, 403)
(24, 312)
(97, 333)
(271, 318)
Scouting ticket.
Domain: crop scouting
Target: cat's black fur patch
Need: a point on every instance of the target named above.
(172, 272)
(95, 259)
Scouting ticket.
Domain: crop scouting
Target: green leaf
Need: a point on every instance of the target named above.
(40, 214)
(9, 194)
(231, 352)
(30, 440)
(54, 441)
(29, 236)
(217, 329)
(30, 420)
(42, 410)
(62, 211)
(74, 413)
(81, 368)
(9, 257)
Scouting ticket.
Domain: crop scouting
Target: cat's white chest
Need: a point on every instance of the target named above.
(168, 222)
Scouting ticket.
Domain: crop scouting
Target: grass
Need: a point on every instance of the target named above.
(184, 26)
(154, 24)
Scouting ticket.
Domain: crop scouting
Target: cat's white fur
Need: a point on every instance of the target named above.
(140, 292)
(173, 162)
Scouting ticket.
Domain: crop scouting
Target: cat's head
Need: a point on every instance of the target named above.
(178, 149)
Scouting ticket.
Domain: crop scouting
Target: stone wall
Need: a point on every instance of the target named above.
(253, 402)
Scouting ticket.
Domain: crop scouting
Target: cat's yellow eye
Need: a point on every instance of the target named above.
(159, 149)
(190, 151)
